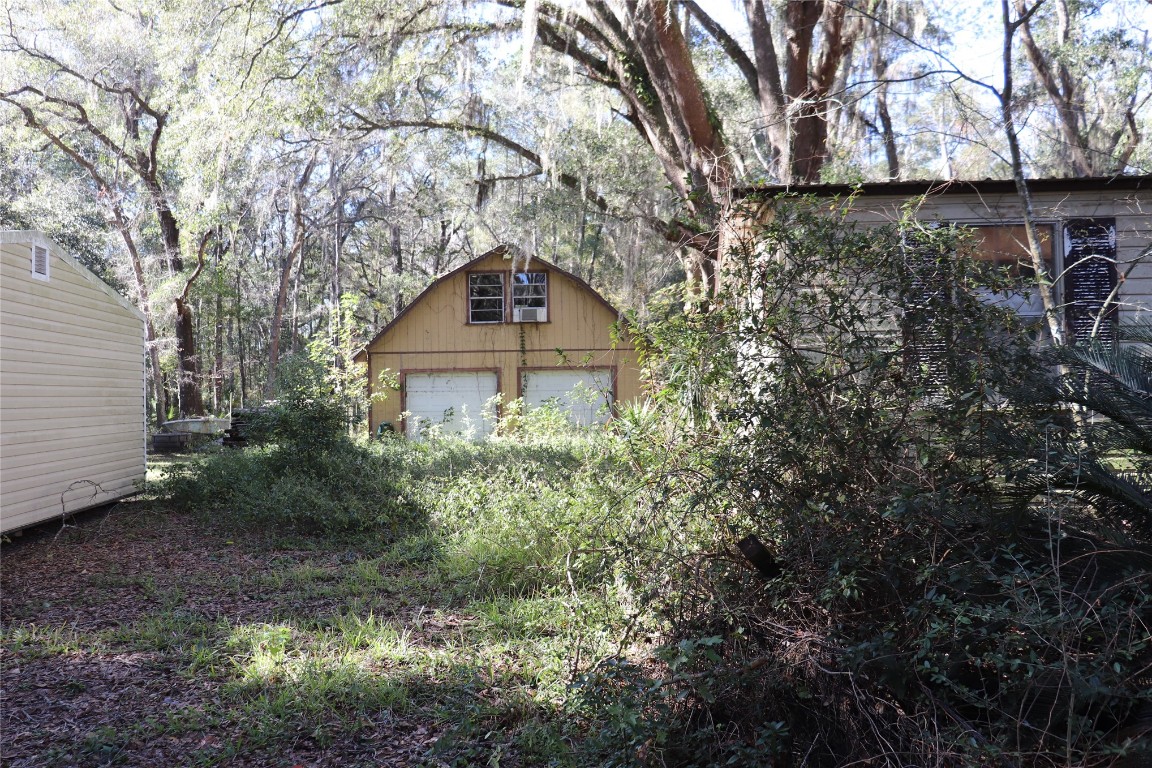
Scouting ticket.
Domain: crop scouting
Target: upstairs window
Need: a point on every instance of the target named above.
(486, 298)
(529, 297)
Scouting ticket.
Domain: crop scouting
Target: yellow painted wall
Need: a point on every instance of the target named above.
(433, 334)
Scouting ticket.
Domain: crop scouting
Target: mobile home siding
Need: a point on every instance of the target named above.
(1128, 202)
(434, 335)
(72, 408)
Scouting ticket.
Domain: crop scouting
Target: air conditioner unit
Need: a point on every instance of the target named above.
(530, 315)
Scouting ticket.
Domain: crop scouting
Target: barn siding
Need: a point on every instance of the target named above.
(72, 399)
(434, 335)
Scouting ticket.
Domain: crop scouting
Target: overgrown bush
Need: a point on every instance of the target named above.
(959, 571)
(345, 488)
(304, 471)
(522, 515)
(956, 521)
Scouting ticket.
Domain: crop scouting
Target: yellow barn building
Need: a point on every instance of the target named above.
(502, 326)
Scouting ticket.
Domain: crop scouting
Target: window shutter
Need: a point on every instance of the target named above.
(1090, 279)
(926, 342)
(40, 260)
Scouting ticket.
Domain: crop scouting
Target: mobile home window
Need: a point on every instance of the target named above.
(486, 298)
(1007, 246)
(529, 296)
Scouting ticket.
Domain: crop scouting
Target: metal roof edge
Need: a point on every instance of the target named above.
(951, 186)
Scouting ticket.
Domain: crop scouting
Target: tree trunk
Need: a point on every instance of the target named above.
(188, 361)
(191, 401)
(1061, 90)
(595, 250)
(888, 135)
(439, 259)
(1043, 279)
(686, 114)
(189, 384)
(297, 251)
(159, 390)
(237, 320)
(218, 360)
(396, 244)
(770, 93)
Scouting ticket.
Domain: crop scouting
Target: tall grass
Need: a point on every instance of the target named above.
(509, 542)
(518, 516)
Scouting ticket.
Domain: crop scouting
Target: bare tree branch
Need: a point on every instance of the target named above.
(567, 179)
(731, 48)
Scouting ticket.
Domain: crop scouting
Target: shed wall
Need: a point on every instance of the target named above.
(72, 399)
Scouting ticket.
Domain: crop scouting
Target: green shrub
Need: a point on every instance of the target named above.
(964, 574)
(520, 515)
(349, 488)
(508, 515)
(304, 472)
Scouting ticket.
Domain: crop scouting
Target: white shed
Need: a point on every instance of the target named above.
(72, 401)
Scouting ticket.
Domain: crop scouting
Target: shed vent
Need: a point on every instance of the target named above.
(40, 261)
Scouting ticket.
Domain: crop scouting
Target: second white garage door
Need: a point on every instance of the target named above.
(454, 400)
(585, 395)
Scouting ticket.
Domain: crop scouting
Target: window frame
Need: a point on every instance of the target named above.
(1029, 309)
(1047, 232)
(470, 298)
(545, 297)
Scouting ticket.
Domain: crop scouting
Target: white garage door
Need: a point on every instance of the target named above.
(454, 401)
(585, 395)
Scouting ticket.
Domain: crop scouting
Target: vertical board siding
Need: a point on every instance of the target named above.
(72, 420)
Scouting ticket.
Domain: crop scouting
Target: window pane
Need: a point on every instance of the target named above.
(486, 298)
(1007, 246)
(487, 315)
(496, 304)
(486, 291)
(530, 290)
(485, 285)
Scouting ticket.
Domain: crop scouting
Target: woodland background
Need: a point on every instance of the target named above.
(259, 175)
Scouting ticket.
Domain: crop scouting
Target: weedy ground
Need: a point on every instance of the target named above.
(143, 636)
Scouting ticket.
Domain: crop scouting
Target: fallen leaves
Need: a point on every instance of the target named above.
(100, 630)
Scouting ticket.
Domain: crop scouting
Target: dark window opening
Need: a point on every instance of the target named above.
(1006, 246)
(486, 298)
